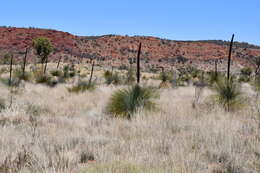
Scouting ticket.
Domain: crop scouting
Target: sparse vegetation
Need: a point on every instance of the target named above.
(55, 131)
(82, 86)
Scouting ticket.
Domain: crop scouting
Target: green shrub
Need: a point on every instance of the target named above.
(125, 102)
(194, 72)
(68, 71)
(53, 82)
(164, 76)
(6, 59)
(42, 78)
(245, 74)
(228, 94)
(130, 76)
(14, 83)
(19, 74)
(213, 77)
(247, 71)
(57, 73)
(244, 78)
(112, 78)
(82, 86)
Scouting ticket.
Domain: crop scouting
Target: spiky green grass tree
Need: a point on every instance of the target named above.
(125, 102)
(165, 79)
(228, 94)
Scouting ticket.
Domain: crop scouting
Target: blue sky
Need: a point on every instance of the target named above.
(172, 19)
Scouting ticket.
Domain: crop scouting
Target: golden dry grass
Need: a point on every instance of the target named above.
(175, 138)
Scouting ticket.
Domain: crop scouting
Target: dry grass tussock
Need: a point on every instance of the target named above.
(49, 130)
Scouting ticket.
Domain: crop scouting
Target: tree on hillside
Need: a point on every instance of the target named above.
(43, 48)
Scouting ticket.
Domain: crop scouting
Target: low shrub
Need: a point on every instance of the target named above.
(82, 86)
(19, 74)
(130, 76)
(112, 78)
(125, 102)
(56, 73)
(228, 94)
(42, 78)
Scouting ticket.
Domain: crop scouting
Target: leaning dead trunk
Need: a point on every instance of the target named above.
(11, 69)
(216, 67)
(91, 74)
(138, 63)
(58, 63)
(45, 68)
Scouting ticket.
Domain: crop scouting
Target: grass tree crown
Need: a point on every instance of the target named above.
(43, 47)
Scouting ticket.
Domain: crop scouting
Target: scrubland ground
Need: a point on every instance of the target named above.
(49, 130)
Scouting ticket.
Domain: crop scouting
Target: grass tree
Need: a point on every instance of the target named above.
(43, 48)
(228, 92)
(165, 79)
(125, 102)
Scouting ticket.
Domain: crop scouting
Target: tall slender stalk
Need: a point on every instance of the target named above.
(229, 56)
(10, 81)
(11, 69)
(138, 64)
(91, 74)
(216, 67)
(24, 61)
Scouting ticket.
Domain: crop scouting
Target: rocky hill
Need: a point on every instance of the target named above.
(119, 50)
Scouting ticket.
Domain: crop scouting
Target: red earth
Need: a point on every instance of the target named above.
(118, 50)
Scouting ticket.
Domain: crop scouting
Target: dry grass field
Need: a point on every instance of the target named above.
(50, 130)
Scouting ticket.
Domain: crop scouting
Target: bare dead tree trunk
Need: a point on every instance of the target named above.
(229, 57)
(24, 61)
(91, 74)
(138, 64)
(46, 62)
(11, 69)
(216, 67)
(58, 63)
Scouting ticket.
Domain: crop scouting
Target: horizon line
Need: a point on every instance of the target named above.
(124, 35)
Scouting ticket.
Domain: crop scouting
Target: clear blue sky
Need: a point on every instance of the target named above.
(172, 19)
